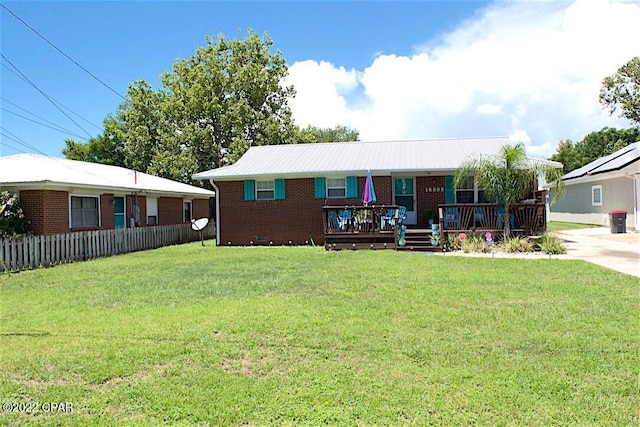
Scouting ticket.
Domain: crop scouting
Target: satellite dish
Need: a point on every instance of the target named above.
(199, 225)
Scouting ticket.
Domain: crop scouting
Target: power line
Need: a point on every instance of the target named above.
(54, 100)
(12, 136)
(44, 94)
(59, 50)
(55, 127)
(66, 164)
(41, 118)
(12, 147)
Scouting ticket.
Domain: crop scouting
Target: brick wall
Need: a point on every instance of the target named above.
(200, 208)
(46, 211)
(107, 211)
(169, 210)
(297, 218)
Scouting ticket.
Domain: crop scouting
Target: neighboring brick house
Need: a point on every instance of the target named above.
(275, 194)
(61, 196)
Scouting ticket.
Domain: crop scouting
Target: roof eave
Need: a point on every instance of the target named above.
(66, 186)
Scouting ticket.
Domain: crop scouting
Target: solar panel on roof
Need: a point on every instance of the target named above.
(609, 163)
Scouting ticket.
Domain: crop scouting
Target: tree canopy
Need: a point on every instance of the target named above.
(593, 146)
(621, 91)
(210, 109)
(312, 134)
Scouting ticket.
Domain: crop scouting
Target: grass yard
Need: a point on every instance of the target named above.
(187, 335)
(559, 226)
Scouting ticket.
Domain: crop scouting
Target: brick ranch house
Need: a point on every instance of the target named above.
(62, 196)
(276, 194)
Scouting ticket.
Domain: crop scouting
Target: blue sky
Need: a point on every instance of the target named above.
(392, 70)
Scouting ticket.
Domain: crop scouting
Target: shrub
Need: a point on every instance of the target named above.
(452, 243)
(550, 244)
(474, 244)
(517, 244)
(12, 220)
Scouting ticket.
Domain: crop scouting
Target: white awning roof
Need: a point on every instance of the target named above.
(34, 170)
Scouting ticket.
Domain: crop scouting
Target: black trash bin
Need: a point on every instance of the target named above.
(618, 221)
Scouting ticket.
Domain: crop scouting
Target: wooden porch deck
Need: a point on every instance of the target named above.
(376, 227)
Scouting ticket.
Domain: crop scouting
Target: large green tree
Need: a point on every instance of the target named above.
(227, 97)
(312, 134)
(508, 176)
(621, 91)
(210, 109)
(593, 146)
(107, 148)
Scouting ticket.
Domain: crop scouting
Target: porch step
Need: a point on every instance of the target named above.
(419, 240)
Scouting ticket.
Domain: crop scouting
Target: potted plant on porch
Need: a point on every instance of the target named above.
(430, 217)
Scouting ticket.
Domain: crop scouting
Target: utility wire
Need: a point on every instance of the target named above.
(35, 115)
(19, 150)
(66, 164)
(12, 136)
(59, 50)
(54, 100)
(55, 127)
(45, 95)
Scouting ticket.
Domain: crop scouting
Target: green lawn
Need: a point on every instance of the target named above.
(187, 335)
(559, 226)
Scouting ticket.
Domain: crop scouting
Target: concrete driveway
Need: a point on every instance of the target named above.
(619, 252)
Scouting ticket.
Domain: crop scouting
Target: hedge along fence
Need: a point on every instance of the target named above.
(24, 252)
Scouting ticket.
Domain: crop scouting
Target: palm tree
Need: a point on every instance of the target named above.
(509, 176)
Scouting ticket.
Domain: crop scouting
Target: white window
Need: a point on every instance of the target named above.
(336, 187)
(187, 211)
(265, 190)
(465, 192)
(152, 210)
(596, 195)
(85, 211)
(468, 192)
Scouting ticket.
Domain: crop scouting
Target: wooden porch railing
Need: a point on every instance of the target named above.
(360, 226)
(528, 218)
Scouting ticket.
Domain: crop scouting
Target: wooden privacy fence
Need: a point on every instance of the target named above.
(20, 253)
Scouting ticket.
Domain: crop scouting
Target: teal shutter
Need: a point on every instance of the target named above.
(352, 186)
(449, 190)
(249, 189)
(279, 189)
(320, 188)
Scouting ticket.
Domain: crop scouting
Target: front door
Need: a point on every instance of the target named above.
(118, 213)
(404, 194)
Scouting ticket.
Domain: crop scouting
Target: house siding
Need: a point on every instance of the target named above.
(575, 204)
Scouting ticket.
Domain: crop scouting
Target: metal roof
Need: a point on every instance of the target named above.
(31, 169)
(610, 163)
(381, 158)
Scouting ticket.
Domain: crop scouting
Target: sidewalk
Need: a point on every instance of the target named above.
(619, 252)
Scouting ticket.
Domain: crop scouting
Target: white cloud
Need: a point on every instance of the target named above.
(530, 69)
(321, 88)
